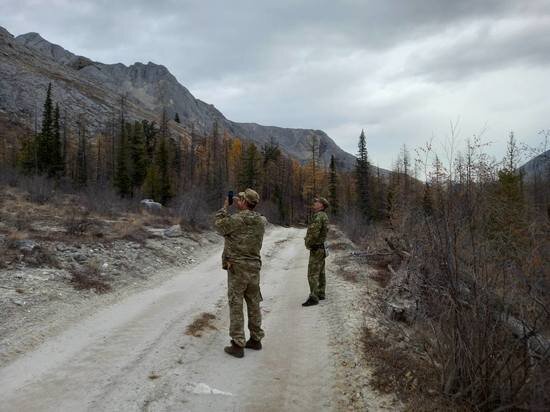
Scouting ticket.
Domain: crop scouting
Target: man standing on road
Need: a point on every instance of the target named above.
(315, 241)
(243, 233)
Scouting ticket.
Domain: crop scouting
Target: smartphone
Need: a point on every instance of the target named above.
(230, 197)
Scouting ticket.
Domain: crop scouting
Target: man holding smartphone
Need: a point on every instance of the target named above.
(243, 232)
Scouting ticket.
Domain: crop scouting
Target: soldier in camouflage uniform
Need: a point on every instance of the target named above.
(243, 233)
(315, 242)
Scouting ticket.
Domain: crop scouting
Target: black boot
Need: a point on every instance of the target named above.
(253, 344)
(310, 302)
(234, 350)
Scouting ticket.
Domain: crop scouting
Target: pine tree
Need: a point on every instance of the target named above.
(81, 177)
(177, 118)
(150, 132)
(333, 187)
(250, 172)
(162, 163)
(314, 150)
(122, 180)
(150, 184)
(164, 185)
(57, 167)
(192, 156)
(362, 176)
(45, 138)
(138, 155)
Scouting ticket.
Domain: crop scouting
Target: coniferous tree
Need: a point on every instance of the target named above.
(122, 179)
(164, 185)
(193, 153)
(270, 165)
(57, 166)
(162, 163)
(45, 138)
(150, 184)
(333, 187)
(250, 172)
(150, 131)
(314, 150)
(81, 177)
(177, 118)
(138, 155)
(362, 176)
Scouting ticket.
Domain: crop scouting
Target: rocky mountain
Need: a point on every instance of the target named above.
(29, 62)
(539, 166)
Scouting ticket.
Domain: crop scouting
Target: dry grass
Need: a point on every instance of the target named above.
(153, 376)
(133, 229)
(200, 324)
(77, 222)
(164, 219)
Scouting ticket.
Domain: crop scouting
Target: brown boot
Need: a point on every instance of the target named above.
(234, 350)
(253, 344)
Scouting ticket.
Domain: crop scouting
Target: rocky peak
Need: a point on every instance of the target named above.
(5, 34)
(36, 42)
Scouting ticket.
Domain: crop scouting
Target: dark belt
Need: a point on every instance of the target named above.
(317, 247)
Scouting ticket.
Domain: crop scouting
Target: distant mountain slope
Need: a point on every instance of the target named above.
(537, 166)
(29, 62)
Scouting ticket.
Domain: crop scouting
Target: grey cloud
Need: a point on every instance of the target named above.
(486, 51)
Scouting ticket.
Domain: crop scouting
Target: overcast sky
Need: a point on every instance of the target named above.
(402, 69)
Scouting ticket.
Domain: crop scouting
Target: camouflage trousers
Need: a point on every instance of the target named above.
(316, 274)
(243, 283)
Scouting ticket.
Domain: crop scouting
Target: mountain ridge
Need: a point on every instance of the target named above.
(149, 88)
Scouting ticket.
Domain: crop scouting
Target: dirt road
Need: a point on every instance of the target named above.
(135, 355)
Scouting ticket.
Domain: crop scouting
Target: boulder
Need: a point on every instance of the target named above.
(151, 206)
(27, 246)
(173, 231)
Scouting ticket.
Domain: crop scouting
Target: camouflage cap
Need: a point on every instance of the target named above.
(251, 196)
(323, 201)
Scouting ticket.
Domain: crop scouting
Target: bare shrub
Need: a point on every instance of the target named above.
(193, 210)
(479, 263)
(354, 226)
(88, 277)
(106, 201)
(133, 230)
(167, 218)
(41, 189)
(77, 221)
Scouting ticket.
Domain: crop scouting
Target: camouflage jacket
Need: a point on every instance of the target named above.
(243, 233)
(317, 230)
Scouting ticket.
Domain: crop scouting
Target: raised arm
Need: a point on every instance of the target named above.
(224, 222)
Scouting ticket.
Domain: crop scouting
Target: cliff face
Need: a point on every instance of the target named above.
(29, 62)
